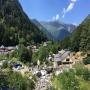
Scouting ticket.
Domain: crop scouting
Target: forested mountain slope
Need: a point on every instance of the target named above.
(80, 39)
(14, 24)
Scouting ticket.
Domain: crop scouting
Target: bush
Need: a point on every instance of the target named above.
(25, 55)
(86, 60)
(14, 54)
(83, 53)
(86, 74)
(82, 72)
(79, 67)
(5, 65)
(16, 80)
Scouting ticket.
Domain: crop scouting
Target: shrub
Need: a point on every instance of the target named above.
(83, 53)
(86, 74)
(15, 81)
(5, 65)
(86, 60)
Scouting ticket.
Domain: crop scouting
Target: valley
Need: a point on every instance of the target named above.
(42, 55)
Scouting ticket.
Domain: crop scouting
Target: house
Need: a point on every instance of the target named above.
(6, 50)
(59, 57)
(62, 58)
(67, 60)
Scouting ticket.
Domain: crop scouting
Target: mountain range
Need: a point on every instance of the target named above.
(55, 30)
(15, 25)
(42, 28)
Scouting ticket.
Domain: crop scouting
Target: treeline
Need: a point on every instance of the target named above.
(14, 24)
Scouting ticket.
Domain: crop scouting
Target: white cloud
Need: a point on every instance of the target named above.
(75, 24)
(55, 18)
(73, 0)
(69, 8)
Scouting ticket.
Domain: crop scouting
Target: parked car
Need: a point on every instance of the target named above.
(18, 65)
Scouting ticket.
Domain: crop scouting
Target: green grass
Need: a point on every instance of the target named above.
(56, 83)
(84, 85)
(3, 57)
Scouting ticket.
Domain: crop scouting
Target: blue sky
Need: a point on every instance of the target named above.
(68, 11)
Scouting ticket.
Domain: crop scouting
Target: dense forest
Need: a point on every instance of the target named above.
(14, 25)
(80, 38)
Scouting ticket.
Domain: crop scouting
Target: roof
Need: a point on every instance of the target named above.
(2, 46)
(57, 57)
(6, 49)
(60, 57)
(61, 52)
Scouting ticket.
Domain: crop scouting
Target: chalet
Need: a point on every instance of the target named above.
(6, 50)
(57, 60)
(62, 58)
(67, 60)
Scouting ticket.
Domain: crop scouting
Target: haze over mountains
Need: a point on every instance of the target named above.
(55, 30)
(42, 28)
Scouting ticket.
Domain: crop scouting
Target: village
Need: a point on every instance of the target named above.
(63, 60)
